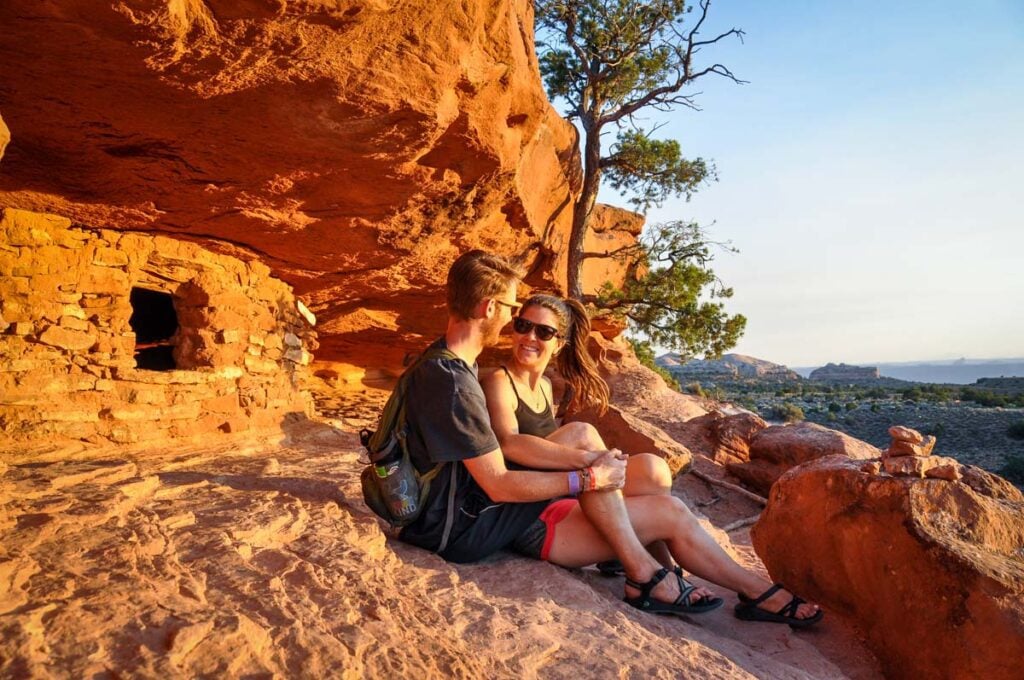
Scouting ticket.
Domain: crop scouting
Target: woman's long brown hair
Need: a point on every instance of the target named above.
(578, 369)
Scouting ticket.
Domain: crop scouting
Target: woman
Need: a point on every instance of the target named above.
(519, 402)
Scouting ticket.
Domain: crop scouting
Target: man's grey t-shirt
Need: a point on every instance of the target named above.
(448, 423)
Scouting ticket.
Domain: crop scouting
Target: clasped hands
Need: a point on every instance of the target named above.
(609, 469)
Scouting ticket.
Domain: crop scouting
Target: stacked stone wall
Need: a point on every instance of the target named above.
(67, 349)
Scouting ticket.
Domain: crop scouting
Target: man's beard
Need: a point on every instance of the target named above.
(492, 332)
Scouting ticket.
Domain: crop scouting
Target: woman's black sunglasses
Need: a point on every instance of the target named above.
(523, 326)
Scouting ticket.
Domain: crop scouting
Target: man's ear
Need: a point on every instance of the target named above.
(486, 308)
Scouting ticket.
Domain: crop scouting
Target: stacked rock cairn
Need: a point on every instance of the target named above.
(910, 455)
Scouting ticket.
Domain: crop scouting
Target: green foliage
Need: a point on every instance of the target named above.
(609, 58)
(1013, 469)
(609, 61)
(1016, 430)
(937, 429)
(789, 413)
(671, 301)
(716, 393)
(645, 354)
(747, 403)
(986, 398)
(875, 408)
(695, 389)
(912, 394)
(833, 407)
(851, 405)
(652, 170)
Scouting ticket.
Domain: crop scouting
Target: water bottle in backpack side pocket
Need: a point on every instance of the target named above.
(396, 478)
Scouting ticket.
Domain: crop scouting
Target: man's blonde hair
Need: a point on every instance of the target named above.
(477, 276)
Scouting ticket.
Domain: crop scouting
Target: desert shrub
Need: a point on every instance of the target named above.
(912, 394)
(937, 429)
(985, 398)
(716, 393)
(1016, 430)
(875, 408)
(876, 393)
(695, 389)
(788, 413)
(1013, 469)
(833, 407)
(936, 393)
(851, 405)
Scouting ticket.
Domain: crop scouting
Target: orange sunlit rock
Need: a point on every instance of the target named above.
(929, 569)
(354, 148)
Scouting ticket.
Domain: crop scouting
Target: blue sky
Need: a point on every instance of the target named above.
(870, 174)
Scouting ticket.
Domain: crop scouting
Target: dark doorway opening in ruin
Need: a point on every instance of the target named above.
(155, 323)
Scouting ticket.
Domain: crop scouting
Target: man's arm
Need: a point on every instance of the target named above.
(527, 449)
(523, 486)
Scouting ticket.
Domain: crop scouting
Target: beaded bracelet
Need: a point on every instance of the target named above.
(574, 483)
(585, 479)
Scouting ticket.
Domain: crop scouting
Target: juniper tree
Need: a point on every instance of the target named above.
(671, 297)
(610, 60)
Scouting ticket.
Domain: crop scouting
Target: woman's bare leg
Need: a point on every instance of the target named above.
(579, 541)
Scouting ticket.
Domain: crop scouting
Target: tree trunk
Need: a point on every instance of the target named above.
(583, 209)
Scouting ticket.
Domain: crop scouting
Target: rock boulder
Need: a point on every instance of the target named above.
(620, 430)
(776, 449)
(726, 437)
(931, 570)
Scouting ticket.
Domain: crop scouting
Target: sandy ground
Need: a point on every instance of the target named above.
(258, 559)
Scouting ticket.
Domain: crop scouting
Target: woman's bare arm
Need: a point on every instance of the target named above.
(526, 449)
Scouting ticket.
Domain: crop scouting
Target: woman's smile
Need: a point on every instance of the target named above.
(527, 347)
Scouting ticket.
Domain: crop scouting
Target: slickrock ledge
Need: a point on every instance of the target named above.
(260, 559)
(932, 570)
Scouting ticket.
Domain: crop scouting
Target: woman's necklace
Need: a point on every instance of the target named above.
(537, 399)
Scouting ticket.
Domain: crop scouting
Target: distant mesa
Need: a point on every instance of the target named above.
(845, 372)
(729, 366)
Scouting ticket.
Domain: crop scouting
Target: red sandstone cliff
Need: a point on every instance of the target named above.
(355, 147)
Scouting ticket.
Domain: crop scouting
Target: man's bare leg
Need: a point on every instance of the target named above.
(606, 513)
(646, 474)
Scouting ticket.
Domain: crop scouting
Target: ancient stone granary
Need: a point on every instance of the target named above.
(125, 337)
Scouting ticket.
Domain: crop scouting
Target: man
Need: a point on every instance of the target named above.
(495, 508)
(479, 506)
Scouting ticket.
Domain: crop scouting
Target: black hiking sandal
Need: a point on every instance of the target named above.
(748, 610)
(615, 568)
(680, 606)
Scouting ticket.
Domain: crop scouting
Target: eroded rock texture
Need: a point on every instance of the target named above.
(932, 570)
(262, 561)
(354, 146)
